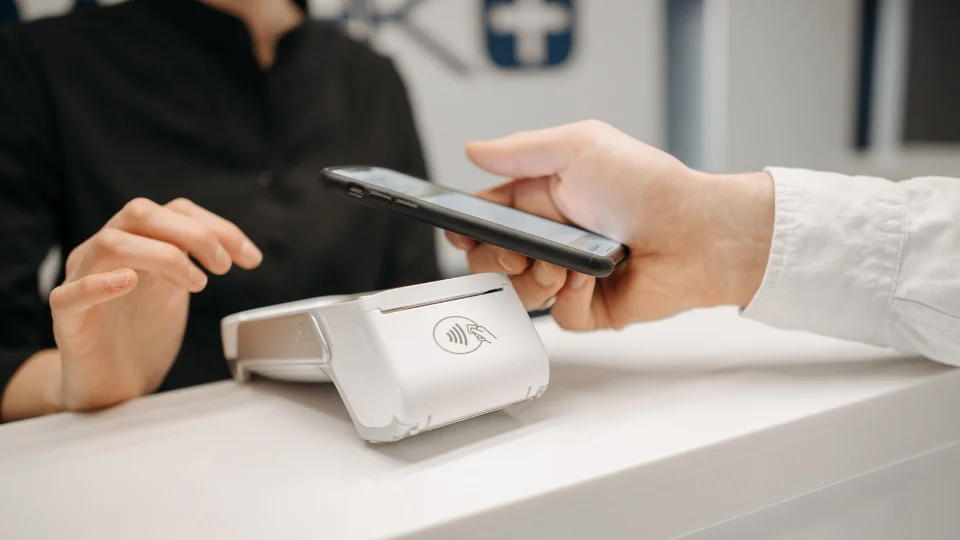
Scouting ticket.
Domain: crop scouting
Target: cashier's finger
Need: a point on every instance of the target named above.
(240, 248)
(76, 297)
(459, 241)
(539, 284)
(576, 304)
(488, 258)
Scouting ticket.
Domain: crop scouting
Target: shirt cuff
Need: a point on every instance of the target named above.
(836, 248)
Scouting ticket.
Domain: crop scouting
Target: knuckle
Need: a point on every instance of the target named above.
(108, 241)
(86, 287)
(57, 300)
(593, 125)
(73, 259)
(180, 203)
(173, 257)
(139, 209)
(591, 130)
(234, 232)
(209, 239)
(203, 238)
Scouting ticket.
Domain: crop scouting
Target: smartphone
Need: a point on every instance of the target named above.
(459, 212)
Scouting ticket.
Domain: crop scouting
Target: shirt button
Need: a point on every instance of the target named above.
(265, 179)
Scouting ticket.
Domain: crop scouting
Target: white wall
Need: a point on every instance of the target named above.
(781, 88)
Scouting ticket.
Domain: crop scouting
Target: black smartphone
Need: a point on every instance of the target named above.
(459, 212)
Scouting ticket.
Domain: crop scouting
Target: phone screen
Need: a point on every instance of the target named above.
(483, 209)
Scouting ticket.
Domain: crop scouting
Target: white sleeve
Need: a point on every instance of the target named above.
(866, 259)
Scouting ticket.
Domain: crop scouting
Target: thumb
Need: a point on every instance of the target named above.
(70, 301)
(527, 154)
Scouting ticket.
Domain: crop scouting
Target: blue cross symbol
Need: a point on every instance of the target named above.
(529, 33)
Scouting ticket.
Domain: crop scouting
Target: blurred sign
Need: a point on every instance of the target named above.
(528, 33)
(518, 33)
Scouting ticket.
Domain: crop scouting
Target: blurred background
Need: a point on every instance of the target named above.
(856, 86)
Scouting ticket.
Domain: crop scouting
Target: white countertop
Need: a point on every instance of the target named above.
(668, 427)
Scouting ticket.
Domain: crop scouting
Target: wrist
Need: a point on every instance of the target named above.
(739, 224)
(35, 389)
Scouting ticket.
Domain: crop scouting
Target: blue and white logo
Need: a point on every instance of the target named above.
(529, 33)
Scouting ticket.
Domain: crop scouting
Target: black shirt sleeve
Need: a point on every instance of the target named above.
(414, 255)
(28, 195)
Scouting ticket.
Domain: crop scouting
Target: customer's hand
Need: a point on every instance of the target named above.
(120, 315)
(695, 239)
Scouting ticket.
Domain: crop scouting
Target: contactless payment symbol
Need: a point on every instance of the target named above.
(529, 33)
(460, 335)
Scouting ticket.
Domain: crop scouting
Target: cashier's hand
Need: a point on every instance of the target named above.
(120, 315)
(695, 239)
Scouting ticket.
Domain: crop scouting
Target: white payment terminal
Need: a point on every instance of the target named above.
(404, 360)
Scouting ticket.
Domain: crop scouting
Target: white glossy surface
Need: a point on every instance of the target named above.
(657, 431)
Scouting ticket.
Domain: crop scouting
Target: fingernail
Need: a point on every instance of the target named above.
(577, 281)
(198, 277)
(541, 274)
(223, 259)
(502, 259)
(119, 280)
(250, 252)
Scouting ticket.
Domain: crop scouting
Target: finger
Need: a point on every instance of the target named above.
(89, 291)
(459, 241)
(539, 284)
(114, 248)
(535, 196)
(522, 155)
(488, 258)
(527, 154)
(530, 195)
(146, 218)
(241, 249)
(501, 194)
(574, 309)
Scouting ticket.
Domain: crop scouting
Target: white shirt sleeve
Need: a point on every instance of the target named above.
(866, 259)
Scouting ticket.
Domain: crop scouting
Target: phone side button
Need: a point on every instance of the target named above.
(406, 203)
(383, 196)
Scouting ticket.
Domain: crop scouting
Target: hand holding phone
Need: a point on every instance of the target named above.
(696, 239)
(487, 221)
